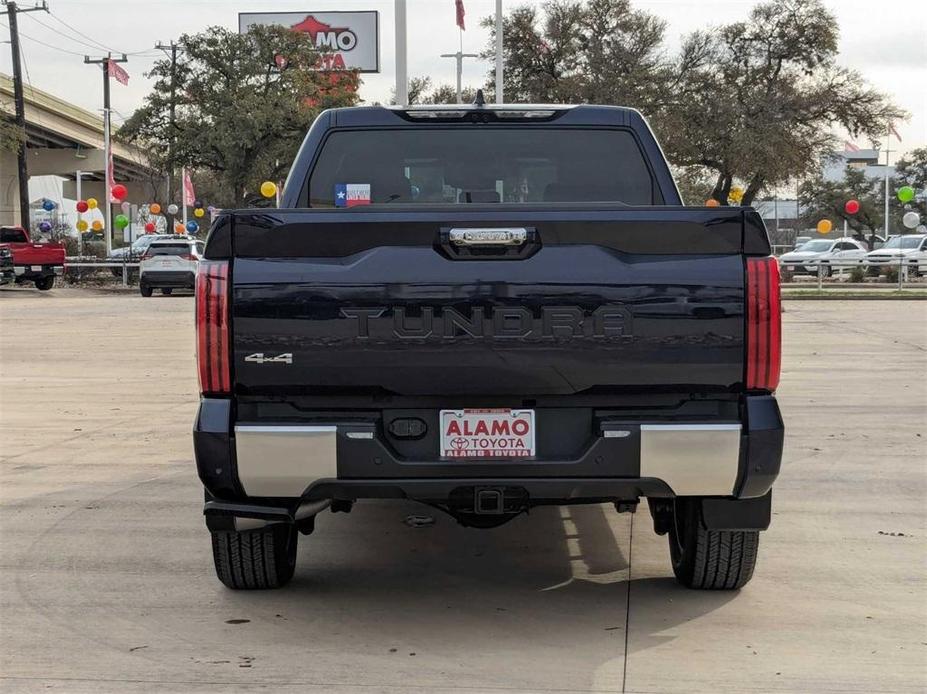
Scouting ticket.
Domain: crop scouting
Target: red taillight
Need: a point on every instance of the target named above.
(764, 324)
(212, 327)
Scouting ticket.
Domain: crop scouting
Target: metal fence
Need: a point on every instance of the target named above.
(121, 268)
(908, 273)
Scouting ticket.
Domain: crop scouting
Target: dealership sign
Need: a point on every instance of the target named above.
(347, 40)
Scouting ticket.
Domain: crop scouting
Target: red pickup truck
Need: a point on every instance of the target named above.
(33, 261)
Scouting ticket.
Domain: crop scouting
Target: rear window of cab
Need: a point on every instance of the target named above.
(481, 165)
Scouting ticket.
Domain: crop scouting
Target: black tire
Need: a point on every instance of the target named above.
(167, 291)
(144, 291)
(709, 559)
(828, 271)
(45, 283)
(255, 559)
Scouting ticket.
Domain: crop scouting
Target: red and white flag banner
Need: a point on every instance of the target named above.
(189, 194)
(892, 131)
(460, 15)
(115, 71)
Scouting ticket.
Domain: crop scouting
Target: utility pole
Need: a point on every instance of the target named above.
(107, 144)
(171, 51)
(20, 109)
(459, 56)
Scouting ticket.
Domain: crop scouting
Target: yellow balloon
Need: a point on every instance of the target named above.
(268, 189)
(92, 203)
(82, 225)
(736, 194)
(825, 226)
(711, 202)
(199, 212)
(97, 225)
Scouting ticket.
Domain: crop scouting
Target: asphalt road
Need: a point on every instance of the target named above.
(106, 579)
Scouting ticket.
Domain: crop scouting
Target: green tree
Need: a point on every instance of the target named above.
(597, 51)
(821, 199)
(750, 103)
(911, 170)
(11, 136)
(422, 92)
(755, 101)
(243, 105)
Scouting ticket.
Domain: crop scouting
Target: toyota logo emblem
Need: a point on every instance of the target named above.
(460, 443)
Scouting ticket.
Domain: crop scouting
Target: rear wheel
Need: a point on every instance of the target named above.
(255, 559)
(167, 291)
(144, 291)
(709, 559)
(45, 283)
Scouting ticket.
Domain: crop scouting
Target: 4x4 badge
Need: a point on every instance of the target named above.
(260, 358)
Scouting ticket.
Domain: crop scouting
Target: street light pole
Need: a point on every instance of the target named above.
(107, 144)
(459, 56)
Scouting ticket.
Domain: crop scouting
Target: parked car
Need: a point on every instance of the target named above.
(909, 250)
(168, 264)
(487, 309)
(134, 252)
(7, 274)
(38, 262)
(800, 241)
(806, 259)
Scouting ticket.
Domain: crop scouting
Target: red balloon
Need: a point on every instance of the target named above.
(82, 206)
(149, 228)
(119, 191)
(852, 206)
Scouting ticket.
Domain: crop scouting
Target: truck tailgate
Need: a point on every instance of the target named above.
(599, 299)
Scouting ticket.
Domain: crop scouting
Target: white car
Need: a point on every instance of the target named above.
(170, 264)
(910, 249)
(831, 253)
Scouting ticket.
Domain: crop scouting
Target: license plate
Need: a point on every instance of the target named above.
(487, 433)
(790, 268)
(37, 268)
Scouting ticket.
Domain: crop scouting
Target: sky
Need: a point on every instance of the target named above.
(885, 41)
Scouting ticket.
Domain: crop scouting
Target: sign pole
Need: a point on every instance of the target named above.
(402, 79)
(498, 51)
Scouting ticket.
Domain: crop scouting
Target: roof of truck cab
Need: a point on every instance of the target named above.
(567, 114)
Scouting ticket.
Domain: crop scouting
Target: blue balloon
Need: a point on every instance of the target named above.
(192, 227)
(48, 205)
(45, 227)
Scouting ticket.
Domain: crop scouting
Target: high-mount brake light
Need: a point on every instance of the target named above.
(764, 324)
(212, 327)
(436, 114)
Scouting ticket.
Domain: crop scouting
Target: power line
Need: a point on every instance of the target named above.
(44, 43)
(63, 35)
(80, 33)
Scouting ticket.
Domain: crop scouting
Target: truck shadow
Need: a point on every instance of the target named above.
(551, 585)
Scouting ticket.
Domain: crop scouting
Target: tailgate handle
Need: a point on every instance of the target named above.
(497, 236)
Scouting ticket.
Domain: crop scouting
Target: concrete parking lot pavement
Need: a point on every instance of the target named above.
(106, 582)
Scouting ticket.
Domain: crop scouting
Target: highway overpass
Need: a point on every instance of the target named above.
(63, 139)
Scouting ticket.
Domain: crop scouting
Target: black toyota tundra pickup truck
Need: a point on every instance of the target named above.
(487, 309)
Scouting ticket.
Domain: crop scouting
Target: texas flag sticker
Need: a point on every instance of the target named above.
(352, 194)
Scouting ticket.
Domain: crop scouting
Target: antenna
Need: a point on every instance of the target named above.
(480, 100)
